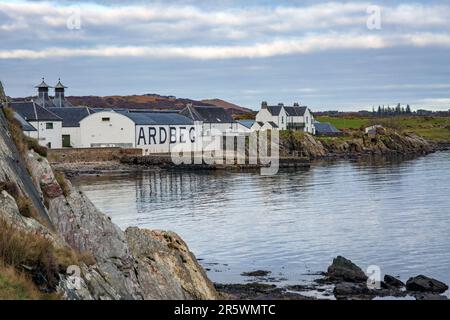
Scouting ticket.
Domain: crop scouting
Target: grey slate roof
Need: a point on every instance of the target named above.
(325, 128)
(274, 110)
(272, 124)
(59, 85)
(43, 85)
(61, 103)
(23, 123)
(71, 116)
(31, 111)
(295, 111)
(157, 118)
(246, 123)
(207, 114)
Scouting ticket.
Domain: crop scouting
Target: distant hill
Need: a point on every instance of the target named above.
(149, 101)
(228, 106)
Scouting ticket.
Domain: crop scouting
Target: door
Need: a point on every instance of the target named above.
(66, 141)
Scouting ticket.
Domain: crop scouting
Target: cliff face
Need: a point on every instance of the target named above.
(136, 264)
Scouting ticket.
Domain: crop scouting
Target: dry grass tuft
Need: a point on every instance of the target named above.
(61, 179)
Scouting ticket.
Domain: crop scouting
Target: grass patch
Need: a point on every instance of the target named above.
(15, 285)
(431, 128)
(61, 179)
(22, 142)
(345, 123)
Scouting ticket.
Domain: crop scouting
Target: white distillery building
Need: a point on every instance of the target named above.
(47, 125)
(71, 117)
(281, 117)
(153, 132)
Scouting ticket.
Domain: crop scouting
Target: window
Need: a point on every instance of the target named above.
(106, 119)
(282, 119)
(49, 125)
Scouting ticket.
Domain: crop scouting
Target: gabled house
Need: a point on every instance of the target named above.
(281, 117)
(47, 124)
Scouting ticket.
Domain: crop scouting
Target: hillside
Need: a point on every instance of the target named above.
(150, 101)
(235, 109)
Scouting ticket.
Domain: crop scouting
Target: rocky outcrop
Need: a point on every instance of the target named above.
(350, 282)
(425, 284)
(165, 267)
(138, 264)
(343, 269)
(356, 144)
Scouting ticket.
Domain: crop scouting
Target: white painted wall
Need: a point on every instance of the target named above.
(265, 116)
(75, 136)
(119, 131)
(165, 138)
(50, 138)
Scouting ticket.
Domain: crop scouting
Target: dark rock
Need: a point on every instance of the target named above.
(344, 270)
(257, 273)
(393, 281)
(430, 296)
(257, 291)
(345, 290)
(425, 284)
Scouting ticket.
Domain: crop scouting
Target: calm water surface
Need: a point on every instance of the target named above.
(392, 213)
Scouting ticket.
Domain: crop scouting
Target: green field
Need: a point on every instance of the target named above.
(433, 128)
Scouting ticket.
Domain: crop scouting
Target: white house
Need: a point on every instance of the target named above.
(47, 124)
(153, 132)
(281, 117)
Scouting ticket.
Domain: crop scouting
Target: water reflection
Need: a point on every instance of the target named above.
(390, 212)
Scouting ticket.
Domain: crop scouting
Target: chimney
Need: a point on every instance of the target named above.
(280, 104)
(296, 104)
(264, 105)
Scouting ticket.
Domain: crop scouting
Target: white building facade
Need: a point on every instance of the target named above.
(281, 117)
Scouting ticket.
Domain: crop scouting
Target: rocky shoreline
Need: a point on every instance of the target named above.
(343, 280)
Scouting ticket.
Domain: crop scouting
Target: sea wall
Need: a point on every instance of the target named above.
(73, 155)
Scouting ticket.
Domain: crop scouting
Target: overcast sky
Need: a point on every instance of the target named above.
(322, 54)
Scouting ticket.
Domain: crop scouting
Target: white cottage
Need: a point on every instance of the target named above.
(281, 117)
(47, 125)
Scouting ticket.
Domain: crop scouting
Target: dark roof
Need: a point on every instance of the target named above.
(260, 123)
(43, 85)
(72, 116)
(272, 124)
(295, 111)
(23, 123)
(274, 110)
(61, 103)
(325, 127)
(246, 123)
(45, 102)
(157, 118)
(207, 114)
(59, 85)
(31, 111)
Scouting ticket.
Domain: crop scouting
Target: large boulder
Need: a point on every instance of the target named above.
(425, 284)
(166, 269)
(393, 281)
(343, 269)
